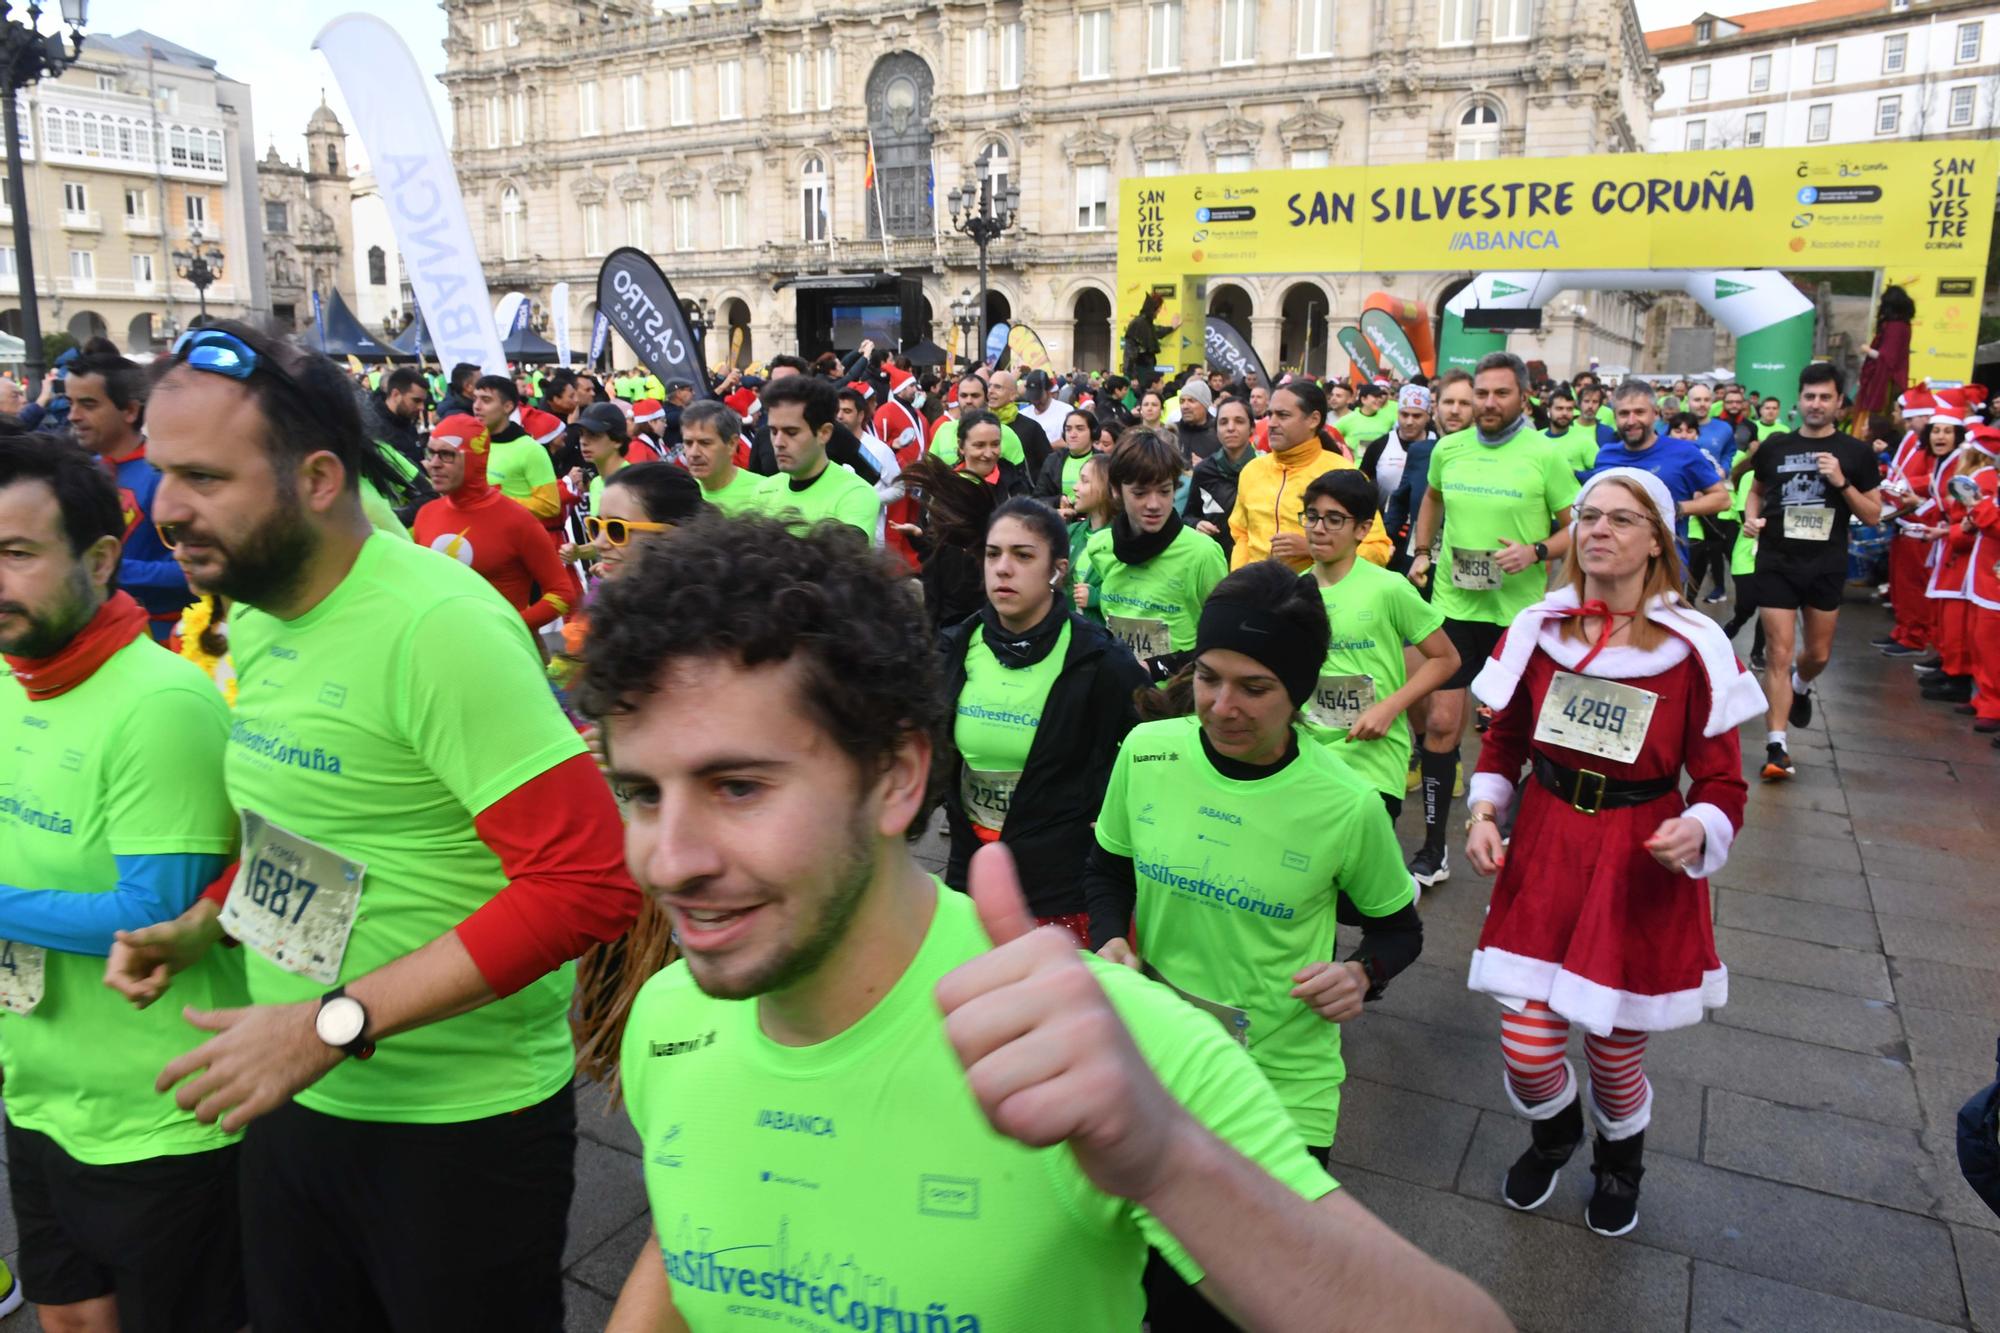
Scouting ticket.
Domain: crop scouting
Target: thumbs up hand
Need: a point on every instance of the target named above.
(1045, 1054)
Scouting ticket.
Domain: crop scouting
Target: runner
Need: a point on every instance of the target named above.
(1373, 416)
(1982, 588)
(1951, 570)
(808, 487)
(769, 807)
(1600, 915)
(1151, 571)
(416, 805)
(1683, 467)
(1041, 698)
(1364, 687)
(1450, 408)
(1265, 519)
(1906, 485)
(1574, 437)
(1497, 501)
(125, 1205)
(517, 466)
(1211, 495)
(1094, 508)
(972, 398)
(710, 432)
(480, 528)
(1813, 479)
(1057, 482)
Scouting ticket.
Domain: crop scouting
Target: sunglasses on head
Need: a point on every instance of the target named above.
(220, 352)
(618, 531)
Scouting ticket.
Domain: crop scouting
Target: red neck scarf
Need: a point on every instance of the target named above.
(119, 621)
(1604, 633)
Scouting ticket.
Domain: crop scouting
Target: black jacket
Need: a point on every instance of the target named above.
(1212, 495)
(1088, 712)
(1034, 442)
(842, 448)
(1049, 480)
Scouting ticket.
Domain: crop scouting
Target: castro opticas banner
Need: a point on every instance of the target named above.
(1921, 211)
(390, 102)
(1228, 351)
(640, 303)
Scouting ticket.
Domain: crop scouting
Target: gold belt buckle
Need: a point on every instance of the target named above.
(1596, 799)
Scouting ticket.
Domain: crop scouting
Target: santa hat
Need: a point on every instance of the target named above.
(467, 434)
(899, 379)
(861, 387)
(1983, 437)
(544, 427)
(1917, 401)
(1955, 407)
(647, 409)
(742, 401)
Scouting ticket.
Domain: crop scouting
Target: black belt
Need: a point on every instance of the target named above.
(1590, 791)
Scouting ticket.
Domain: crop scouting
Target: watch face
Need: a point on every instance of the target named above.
(340, 1021)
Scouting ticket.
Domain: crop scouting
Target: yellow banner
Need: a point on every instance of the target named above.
(1917, 210)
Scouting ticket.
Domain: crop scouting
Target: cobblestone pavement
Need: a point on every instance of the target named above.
(1801, 1173)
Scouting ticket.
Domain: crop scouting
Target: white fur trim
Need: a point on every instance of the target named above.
(1490, 787)
(1613, 1130)
(1721, 834)
(1655, 490)
(1549, 1109)
(1514, 979)
(1734, 694)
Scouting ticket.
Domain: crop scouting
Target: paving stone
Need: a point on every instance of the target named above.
(1805, 849)
(1973, 903)
(610, 1192)
(1544, 1274)
(1918, 863)
(1933, 985)
(1401, 1133)
(1750, 872)
(1860, 1251)
(601, 1118)
(1948, 1038)
(1957, 1203)
(1792, 1073)
(1803, 963)
(605, 1268)
(1954, 828)
(1728, 1301)
(1855, 1159)
(1979, 1267)
(1941, 942)
(1437, 995)
(1842, 927)
(1803, 822)
(1825, 1018)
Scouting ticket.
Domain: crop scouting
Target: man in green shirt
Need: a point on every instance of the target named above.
(517, 466)
(809, 486)
(112, 817)
(1574, 435)
(426, 845)
(1373, 417)
(936, 1105)
(709, 432)
(972, 398)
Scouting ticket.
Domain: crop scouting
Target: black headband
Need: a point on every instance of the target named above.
(1251, 630)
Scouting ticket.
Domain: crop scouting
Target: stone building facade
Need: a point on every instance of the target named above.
(733, 142)
(307, 210)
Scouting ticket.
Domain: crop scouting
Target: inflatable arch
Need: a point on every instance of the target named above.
(1769, 318)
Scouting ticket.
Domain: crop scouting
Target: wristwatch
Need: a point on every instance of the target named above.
(341, 1023)
(1541, 553)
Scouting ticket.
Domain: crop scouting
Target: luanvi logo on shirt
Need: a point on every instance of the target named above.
(796, 1122)
(1170, 757)
(681, 1047)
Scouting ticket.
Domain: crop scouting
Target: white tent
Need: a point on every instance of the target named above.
(12, 350)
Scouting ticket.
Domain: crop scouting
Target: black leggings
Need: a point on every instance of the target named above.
(1172, 1306)
(1713, 552)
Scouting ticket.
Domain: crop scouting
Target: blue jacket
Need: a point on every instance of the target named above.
(1408, 499)
(148, 570)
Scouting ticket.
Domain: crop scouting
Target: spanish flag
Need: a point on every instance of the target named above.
(869, 183)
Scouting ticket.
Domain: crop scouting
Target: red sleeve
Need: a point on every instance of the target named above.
(1714, 764)
(1504, 748)
(1986, 514)
(546, 568)
(560, 841)
(219, 888)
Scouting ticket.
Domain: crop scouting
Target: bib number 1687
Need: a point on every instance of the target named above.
(1599, 713)
(279, 891)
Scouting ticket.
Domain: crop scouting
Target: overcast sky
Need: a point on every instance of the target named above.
(268, 45)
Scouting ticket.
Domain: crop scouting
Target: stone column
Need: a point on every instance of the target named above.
(1265, 332)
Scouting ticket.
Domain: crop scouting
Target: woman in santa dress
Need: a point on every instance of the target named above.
(1606, 691)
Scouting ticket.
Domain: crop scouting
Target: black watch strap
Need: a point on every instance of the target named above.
(361, 1047)
(1542, 552)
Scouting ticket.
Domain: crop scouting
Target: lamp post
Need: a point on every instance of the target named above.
(200, 267)
(27, 55)
(980, 214)
(965, 315)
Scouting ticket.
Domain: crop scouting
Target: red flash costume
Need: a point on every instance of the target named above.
(477, 526)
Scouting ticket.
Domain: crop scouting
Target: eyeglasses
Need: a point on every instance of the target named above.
(1331, 522)
(441, 455)
(1623, 520)
(618, 531)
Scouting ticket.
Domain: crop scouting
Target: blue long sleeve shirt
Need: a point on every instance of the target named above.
(148, 570)
(151, 888)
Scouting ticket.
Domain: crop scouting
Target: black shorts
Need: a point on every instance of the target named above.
(1784, 588)
(161, 1235)
(1475, 640)
(351, 1226)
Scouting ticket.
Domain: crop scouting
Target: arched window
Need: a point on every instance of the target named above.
(510, 223)
(177, 147)
(378, 267)
(812, 200)
(215, 151)
(72, 132)
(332, 160)
(91, 146)
(1479, 133)
(52, 130)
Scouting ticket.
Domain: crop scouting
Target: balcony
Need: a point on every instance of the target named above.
(147, 225)
(82, 219)
(75, 286)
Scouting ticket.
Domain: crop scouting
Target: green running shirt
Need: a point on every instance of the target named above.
(517, 467)
(1511, 490)
(1236, 890)
(835, 493)
(377, 725)
(742, 495)
(1166, 590)
(997, 714)
(1373, 613)
(128, 763)
(856, 1184)
(945, 443)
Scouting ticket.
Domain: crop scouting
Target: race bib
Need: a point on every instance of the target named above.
(1600, 717)
(984, 795)
(1809, 523)
(21, 976)
(293, 901)
(1147, 639)
(1476, 571)
(1338, 700)
(1234, 1021)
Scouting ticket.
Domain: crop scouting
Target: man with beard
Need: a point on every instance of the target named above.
(1002, 400)
(107, 403)
(972, 398)
(1417, 438)
(1687, 471)
(404, 1070)
(115, 819)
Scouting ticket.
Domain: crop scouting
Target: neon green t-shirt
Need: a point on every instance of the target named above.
(1373, 613)
(128, 763)
(743, 494)
(1237, 884)
(835, 493)
(1160, 599)
(1072, 469)
(1743, 555)
(945, 443)
(1765, 432)
(994, 726)
(377, 725)
(1358, 428)
(1577, 445)
(855, 1183)
(1510, 490)
(517, 467)
(1605, 416)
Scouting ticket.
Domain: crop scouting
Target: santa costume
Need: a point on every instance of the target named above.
(1908, 475)
(1982, 586)
(1585, 926)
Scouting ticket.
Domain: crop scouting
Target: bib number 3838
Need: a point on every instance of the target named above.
(1600, 717)
(1476, 571)
(293, 901)
(21, 980)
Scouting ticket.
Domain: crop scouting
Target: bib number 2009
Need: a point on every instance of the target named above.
(293, 901)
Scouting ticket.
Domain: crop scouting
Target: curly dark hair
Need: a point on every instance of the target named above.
(752, 590)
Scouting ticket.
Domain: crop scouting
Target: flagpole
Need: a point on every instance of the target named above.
(875, 179)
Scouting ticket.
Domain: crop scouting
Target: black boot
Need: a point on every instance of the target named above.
(1532, 1178)
(1613, 1209)
(1949, 689)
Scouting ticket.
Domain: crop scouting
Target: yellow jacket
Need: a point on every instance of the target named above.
(1270, 493)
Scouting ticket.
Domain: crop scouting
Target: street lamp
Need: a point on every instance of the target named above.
(200, 267)
(980, 214)
(965, 315)
(27, 55)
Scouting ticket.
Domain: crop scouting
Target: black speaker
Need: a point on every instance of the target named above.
(1495, 319)
(910, 296)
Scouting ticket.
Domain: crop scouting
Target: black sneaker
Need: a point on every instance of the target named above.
(1928, 668)
(1430, 866)
(1886, 641)
(1717, 596)
(1777, 763)
(1757, 659)
(1801, 714)
(1902, 650)
(1948, 689)
(1532, 1178)
(1613, 1209)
